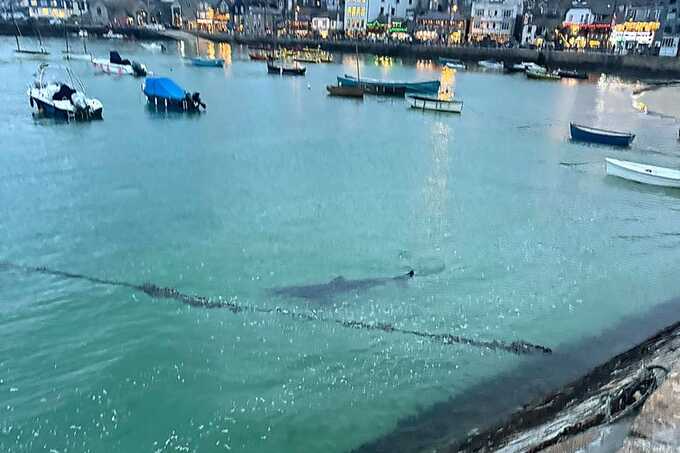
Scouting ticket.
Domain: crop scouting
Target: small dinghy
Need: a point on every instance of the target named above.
(491, 64)
(153, 46)
(345, 91)
(163, 93)
(452, 63)
(572, 74)
(435, 104)
(600, 136)
(643, 173)
(60, 100)
(116, 65)
(541, 74)
(281, 68)
(207, 62)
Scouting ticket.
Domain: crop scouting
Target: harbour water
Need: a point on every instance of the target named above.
(276, 185)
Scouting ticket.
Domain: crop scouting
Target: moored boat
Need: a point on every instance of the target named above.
(111, 35)
(260, 56)
(60, 100)
(452, 63)
(116, 65)
(643, 173)
(491, 64)
(163, 93)
(435, 104)
(207, 62)
(572, 74)
(345, 91)
(541, 74)
(153, 46)
(600, 136)
(390, 88)
(282, 68)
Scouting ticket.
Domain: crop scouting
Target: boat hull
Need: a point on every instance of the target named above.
(644, 174)
(539, 75)
(208, 62)
(435, 105)
(345, 91)
(112, 68)
(389, 88)
(572, 75)
(49, 109)
(282, 70)
(600, 136)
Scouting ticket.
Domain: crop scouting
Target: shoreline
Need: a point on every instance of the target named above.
(523, 407)
(645, 67)
(632, 65)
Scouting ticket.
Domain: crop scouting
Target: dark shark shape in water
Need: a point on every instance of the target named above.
(341, 285)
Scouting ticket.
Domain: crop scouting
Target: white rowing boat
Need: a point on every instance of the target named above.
(643, 173)
(435, 104)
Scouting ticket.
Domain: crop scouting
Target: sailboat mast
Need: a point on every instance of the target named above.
(356, 55)
(16, 35)
(66, 38)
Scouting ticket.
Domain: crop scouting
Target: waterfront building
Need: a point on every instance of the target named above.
(586, 28)
(494, 20)
(438, 27)
(634, 37)
(212, 18)
(120, 13)
(356, 17)
(666, 36)
(53, 9)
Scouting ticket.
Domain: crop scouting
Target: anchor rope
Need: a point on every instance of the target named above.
(518, 347)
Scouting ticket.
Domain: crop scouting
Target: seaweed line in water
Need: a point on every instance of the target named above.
(160, 292)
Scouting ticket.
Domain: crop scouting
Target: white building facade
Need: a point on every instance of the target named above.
(356, 16)
(390, 9)
(54, 9)
(579, 16)
(494, 20)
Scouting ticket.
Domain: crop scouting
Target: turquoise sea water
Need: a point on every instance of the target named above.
(279, 185)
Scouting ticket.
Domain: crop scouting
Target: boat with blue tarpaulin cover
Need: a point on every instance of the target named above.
(164, 93)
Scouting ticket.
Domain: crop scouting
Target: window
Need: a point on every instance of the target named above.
(479, 12)
(570, 18)
(505, 26)
(667, 29)
(507, 13)
(410, 2)
(99, 11)
(382, 10)
(392, 12)
(495, 12)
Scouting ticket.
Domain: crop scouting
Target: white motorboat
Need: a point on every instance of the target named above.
(116, 65)
(60, 100)
(456, 66)
(643, 173)
(111, 35)
(491, 64)
(435, 104)
(528, 66)
(153, 46)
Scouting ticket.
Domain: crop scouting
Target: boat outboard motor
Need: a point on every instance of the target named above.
(196, 98)
(139, 69)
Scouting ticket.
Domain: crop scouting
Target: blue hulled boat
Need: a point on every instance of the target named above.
(390, 88)
(602, 136)
(164, 93)
(207, 62)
